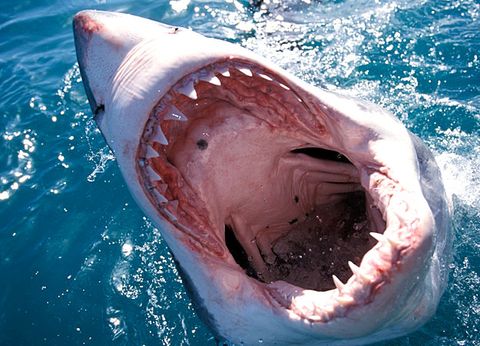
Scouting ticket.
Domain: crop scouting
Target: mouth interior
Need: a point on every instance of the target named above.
(234, 157)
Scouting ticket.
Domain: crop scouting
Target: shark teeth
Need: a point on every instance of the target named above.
(152, 174)
(211, 78)
(173, 205)
(384, 238)
(162, 188)
(246, 71)
(159, 197)
(358, 272)
(354, 268)
(175, 114)
(188, 90)
(264, 76)
(224, 71)
(150, 152)
(378, 237)
(338, 284)
(166, 110)
(345, 300)
(159, 137)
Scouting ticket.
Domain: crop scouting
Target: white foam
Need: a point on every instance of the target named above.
(459, 162)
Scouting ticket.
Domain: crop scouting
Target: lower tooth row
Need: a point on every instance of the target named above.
(150, 152)
(159, 137)
(152, 174)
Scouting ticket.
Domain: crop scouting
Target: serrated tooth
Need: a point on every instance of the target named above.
(173, 205)
(264, 76)
(246, 71)
(345, 299)
(175, 114)
(338, 284)
(162, 188)
(378, 237)
(353, 267)
(170, 215)
(159, 137)
(159, 197)
(358, 273)
(150, 153)
(224, 71)
(152, 174)
(214, 80)
(188, 90)
(211, 78)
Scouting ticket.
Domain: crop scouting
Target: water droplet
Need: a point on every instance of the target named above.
(127, 249)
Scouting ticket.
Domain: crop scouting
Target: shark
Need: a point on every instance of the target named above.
(296, 215)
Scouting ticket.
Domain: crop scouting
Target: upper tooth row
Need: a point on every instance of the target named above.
(188, 89)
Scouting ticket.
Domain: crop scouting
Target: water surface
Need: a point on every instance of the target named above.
(81, 265)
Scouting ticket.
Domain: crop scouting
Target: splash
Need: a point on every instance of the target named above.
(23, 142)
(458, 156)
(99, 157)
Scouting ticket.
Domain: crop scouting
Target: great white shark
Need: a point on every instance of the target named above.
(296, 215)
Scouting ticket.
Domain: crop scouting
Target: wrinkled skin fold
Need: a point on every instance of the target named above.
(296, 215)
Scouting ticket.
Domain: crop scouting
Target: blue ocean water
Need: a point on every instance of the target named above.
(81, 265)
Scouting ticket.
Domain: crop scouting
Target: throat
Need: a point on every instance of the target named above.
(316, 246)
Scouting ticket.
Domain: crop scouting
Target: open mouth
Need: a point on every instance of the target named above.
(244, 164)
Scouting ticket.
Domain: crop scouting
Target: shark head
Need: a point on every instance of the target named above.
(295, 214)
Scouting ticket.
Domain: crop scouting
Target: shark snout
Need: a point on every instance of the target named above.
(98, 54)
(84, 26)
(103, 40)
